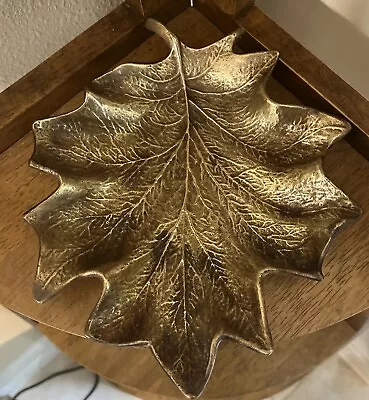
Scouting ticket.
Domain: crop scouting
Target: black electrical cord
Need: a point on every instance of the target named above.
(97, 380)
(65, 371)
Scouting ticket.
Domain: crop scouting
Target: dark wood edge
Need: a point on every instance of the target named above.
(234, 7)
(51, 84)
(298, 70)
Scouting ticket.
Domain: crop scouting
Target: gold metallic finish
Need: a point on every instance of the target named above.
(181, 184)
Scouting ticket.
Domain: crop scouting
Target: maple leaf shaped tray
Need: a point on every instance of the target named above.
(181, 184)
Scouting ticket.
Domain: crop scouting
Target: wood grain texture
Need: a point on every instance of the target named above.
(151, 7)
(295, 306)
(64, 74)
(234, 7)
(298, 70)
(238, 373)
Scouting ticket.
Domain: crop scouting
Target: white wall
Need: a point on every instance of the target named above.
(32, 30)
(336, 31)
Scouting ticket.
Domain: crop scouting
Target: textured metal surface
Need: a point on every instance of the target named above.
(182, 183)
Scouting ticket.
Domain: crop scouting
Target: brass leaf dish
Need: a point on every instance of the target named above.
(181, 184)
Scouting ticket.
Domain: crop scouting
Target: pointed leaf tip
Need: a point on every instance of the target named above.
(40, 293)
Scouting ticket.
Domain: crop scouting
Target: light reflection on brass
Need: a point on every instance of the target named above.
(182, 183)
